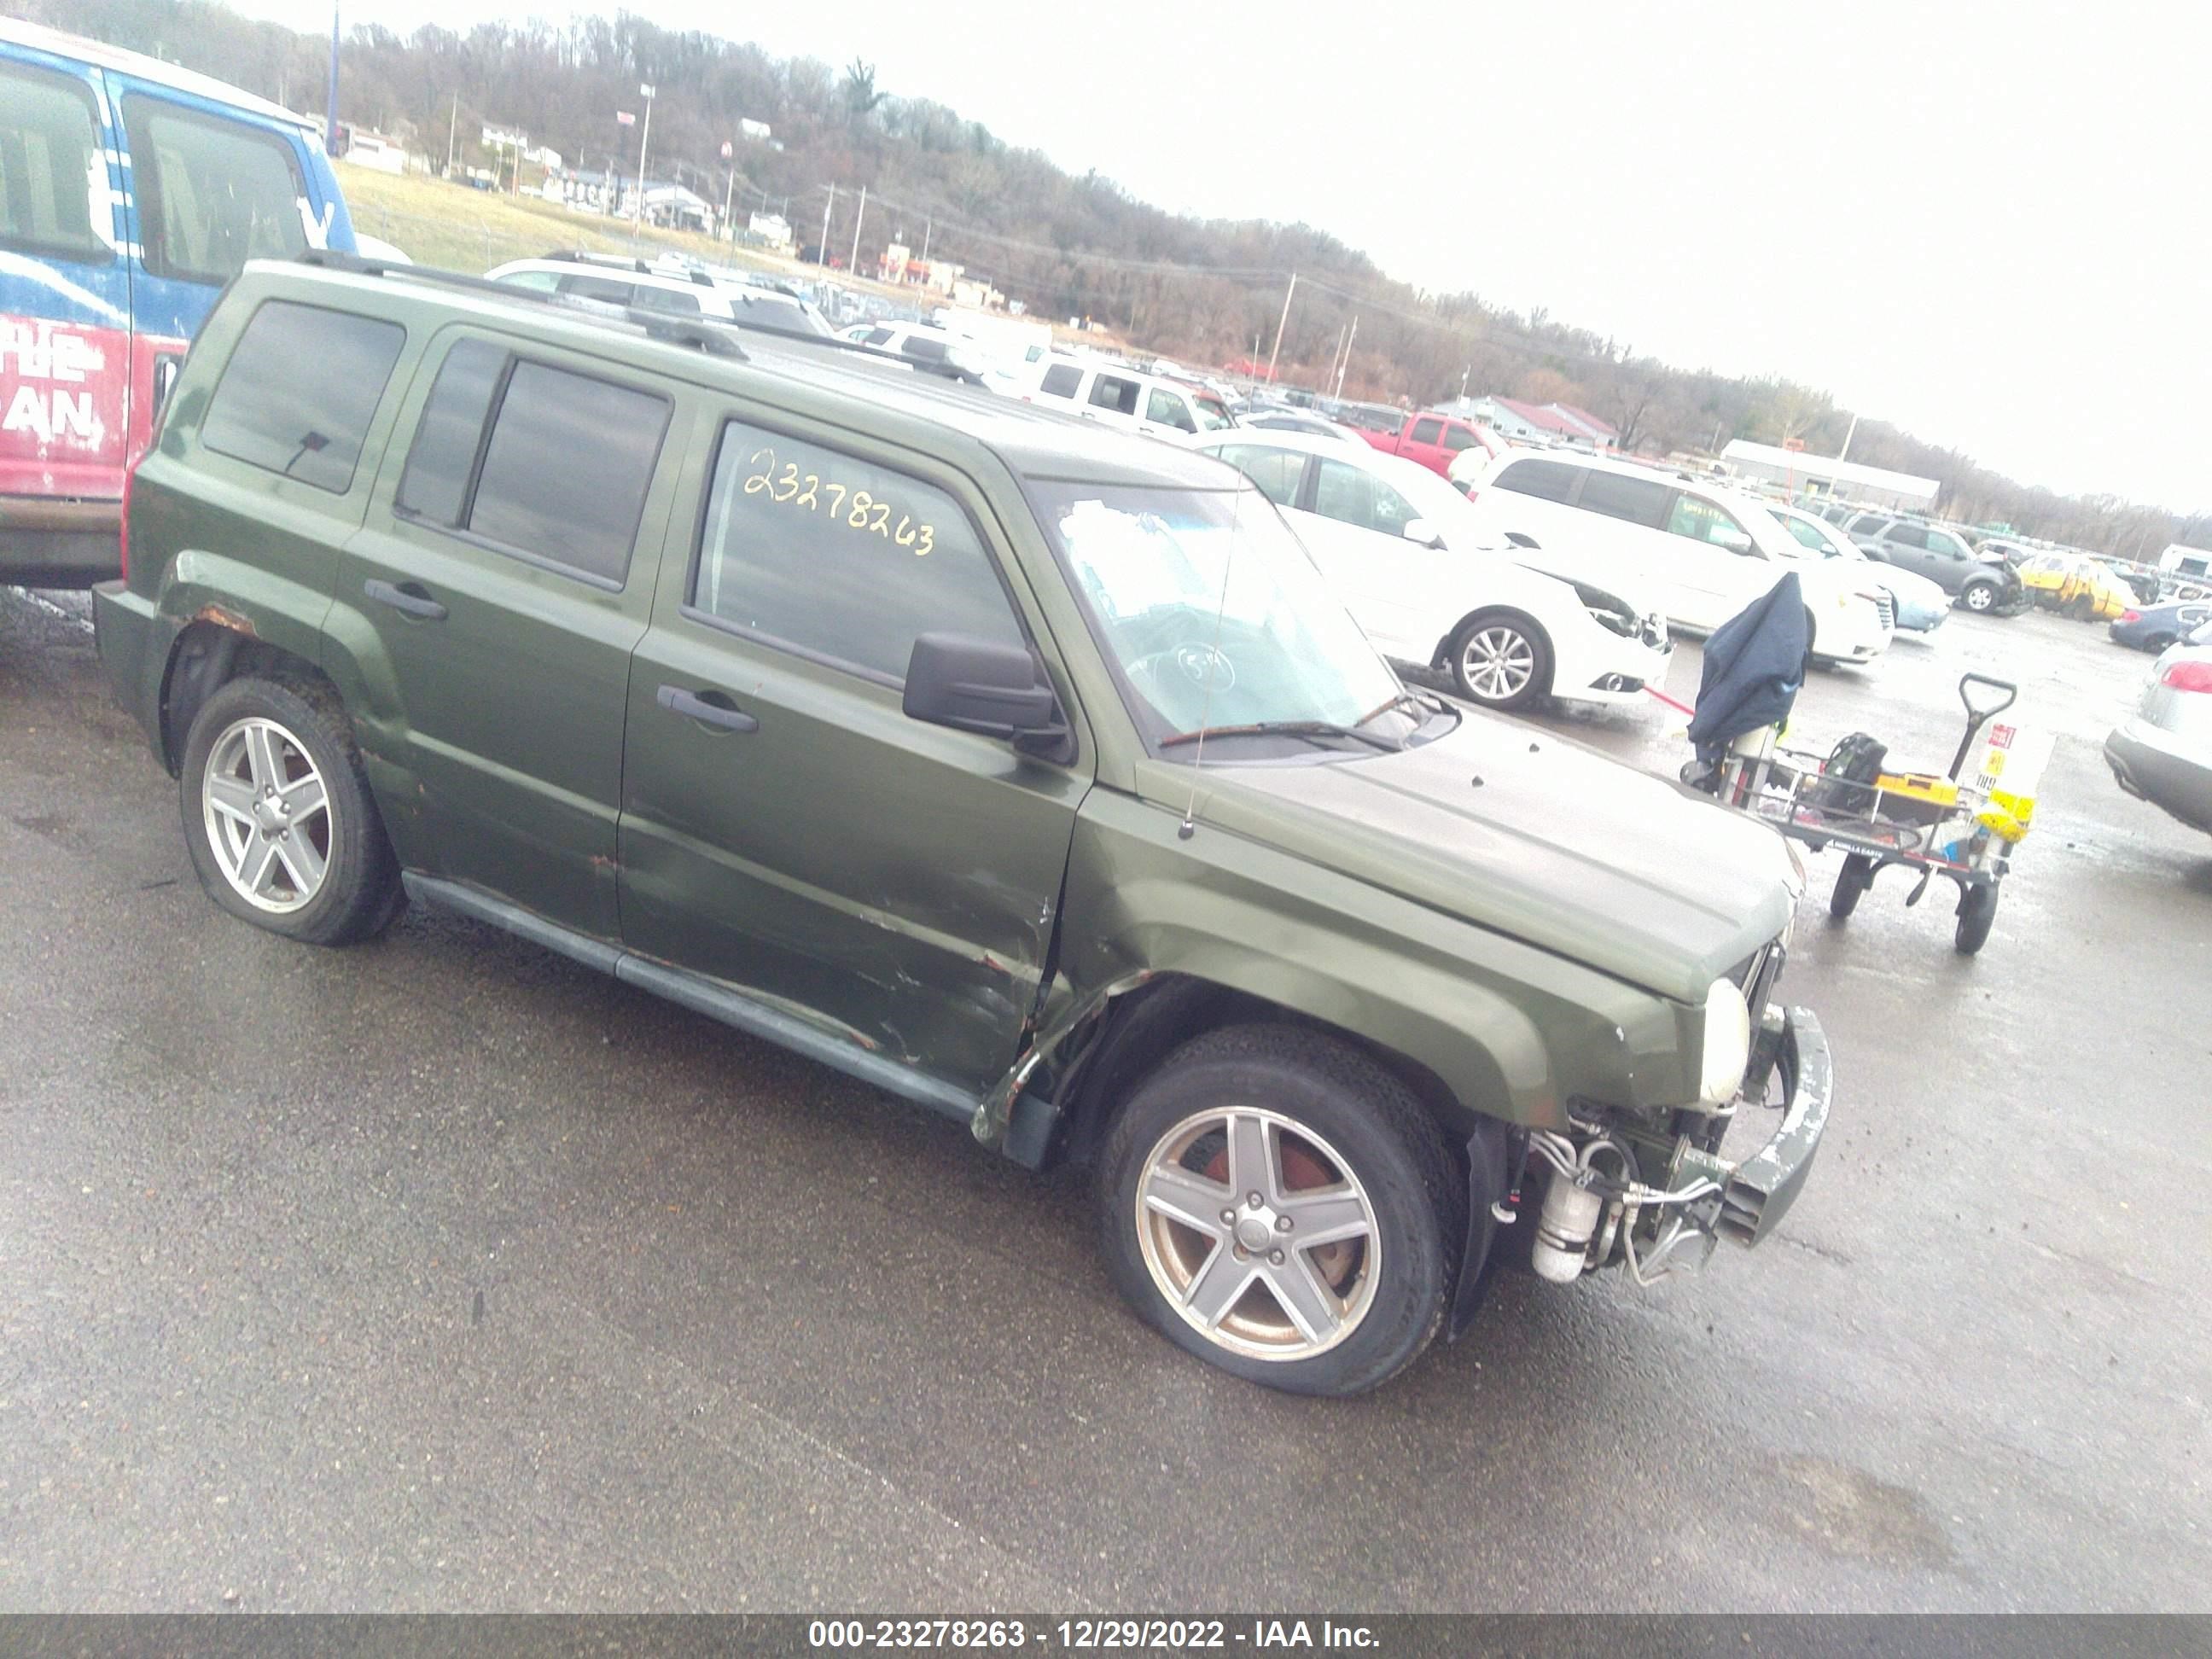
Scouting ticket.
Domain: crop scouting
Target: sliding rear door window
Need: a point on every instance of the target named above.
(300, 390)
(212, 194)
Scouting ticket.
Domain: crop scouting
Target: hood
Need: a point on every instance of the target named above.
(1558, 847)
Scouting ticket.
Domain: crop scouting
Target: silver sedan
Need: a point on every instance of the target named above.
(2164, 754)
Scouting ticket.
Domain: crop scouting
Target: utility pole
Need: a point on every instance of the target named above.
(331, 116)
(927, 225)
(1844, 454)
(644, 141)
(1346, 363)
(453, 126)
(1334, 352)
(822, 251)
(853, 263)
(1280, 322)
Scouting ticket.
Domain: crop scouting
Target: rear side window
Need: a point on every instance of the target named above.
(1112, 391)
(298, 392)
(560, 476)
(435, 485)
(842, 558)
(1276, 471)
(1428, 432)
(211, 193)
(1550, 481)
(50, 162)
(1637, 501)
(602, 289)
(1060, 380)
(682, 301)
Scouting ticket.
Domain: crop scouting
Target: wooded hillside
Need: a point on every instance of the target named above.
(1199, 290)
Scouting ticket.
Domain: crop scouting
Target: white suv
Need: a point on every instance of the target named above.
(634, 285)
(1128, 398)
(1705, 552)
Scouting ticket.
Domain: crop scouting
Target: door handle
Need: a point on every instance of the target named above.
(677, 700)
(409, 598)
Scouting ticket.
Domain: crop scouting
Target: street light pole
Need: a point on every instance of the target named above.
(1280, 323)
(644, 141)
(853, 265)
(330, 115)
(821, 251)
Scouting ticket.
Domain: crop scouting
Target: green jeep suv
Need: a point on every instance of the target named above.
(1020, 768)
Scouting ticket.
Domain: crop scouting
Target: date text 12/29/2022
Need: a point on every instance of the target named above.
(1093, 1634)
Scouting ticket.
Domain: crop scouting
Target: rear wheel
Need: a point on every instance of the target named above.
(1979, 596)
(1852, 881)
(1501, 661)
(1978, 908)
(2158, 644)
(2082, 607)
(278, 818)
(1281, 1207)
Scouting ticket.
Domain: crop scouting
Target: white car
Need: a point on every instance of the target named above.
(927, 344)
(1705, 551)
(1404, 552)
(612, 280)
(1917, 606)
(1127, 398)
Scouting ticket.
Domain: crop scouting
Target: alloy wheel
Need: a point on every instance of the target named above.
(1498, 662)
(1980, 597)
(267, 814)
(1257, 1232)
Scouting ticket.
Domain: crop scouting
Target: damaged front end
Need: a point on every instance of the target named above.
(1657, 1191)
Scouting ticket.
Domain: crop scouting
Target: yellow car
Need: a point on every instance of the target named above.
(2078, 586)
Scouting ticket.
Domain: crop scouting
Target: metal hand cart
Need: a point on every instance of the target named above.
(1964, 829)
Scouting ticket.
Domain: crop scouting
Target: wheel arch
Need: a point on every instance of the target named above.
(1136, 1031)
(212, 650)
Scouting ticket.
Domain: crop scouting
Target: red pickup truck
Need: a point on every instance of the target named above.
(1435, 440)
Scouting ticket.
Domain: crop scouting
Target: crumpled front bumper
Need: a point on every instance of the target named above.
(1759, 1191)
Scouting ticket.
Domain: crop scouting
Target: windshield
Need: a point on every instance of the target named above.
(1213, 614)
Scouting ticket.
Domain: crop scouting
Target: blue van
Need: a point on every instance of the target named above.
(130, 192)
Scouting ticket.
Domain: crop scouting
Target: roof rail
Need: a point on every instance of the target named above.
(710, 336)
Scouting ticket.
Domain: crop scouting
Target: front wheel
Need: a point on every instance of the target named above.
(1501, 661)
(278, 818)
(1978, 908)
(1281, 1207)
(1979, 596)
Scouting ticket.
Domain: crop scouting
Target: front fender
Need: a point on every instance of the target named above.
(1513, 1032)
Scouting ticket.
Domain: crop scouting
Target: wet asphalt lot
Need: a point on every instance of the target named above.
(444, 1274)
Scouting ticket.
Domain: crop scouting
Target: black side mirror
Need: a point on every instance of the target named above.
(984, 687)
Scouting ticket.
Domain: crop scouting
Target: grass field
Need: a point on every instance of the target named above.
(437, 223)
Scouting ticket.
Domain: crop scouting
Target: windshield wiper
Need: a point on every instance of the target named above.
(1313, 731)
(1404, 699)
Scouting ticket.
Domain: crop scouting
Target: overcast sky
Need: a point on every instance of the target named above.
(1986, 222)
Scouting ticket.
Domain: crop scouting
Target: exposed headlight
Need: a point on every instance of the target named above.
(1728, 1044)
(1613, 612)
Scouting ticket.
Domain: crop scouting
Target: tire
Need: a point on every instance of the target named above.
(2158, 644)
(2082, 608)
(1852, 882)
(1500, 660)
(1332, 1117)
(267, 848)
(1978, 908)
(1978, 596)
